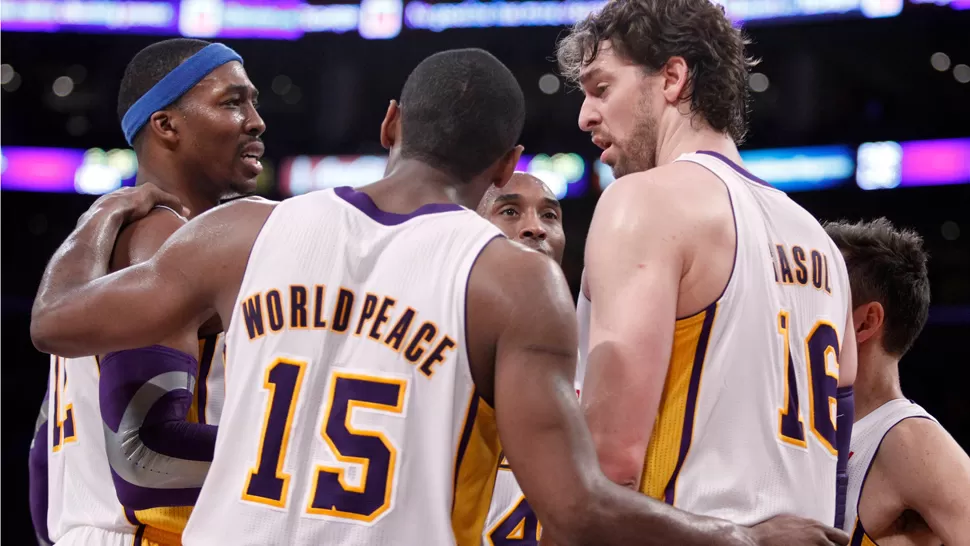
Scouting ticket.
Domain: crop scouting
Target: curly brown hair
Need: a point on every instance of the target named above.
(650, 32)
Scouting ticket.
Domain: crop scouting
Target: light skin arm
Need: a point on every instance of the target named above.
(634, 263)
(931, 474)
(197, 272)
(542, 429)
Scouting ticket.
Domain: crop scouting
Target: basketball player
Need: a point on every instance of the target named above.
(379, 339)
(909, 481)
(130, 443)
(527, 212)
(716, 306)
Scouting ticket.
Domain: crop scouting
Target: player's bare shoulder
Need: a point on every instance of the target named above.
(140, 240)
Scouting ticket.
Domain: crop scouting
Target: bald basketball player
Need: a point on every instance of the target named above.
(288, 435)
(527, 212)
(909, 481)
(132, 433)
(718, 309)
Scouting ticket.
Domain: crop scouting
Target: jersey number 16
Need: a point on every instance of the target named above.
(821, 343)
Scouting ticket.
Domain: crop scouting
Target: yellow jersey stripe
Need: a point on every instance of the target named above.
(673, 431)
(475, 470)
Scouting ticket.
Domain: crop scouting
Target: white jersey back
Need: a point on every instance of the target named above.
(867, 436)
(81, 492)
(351, 416)
(746, 424)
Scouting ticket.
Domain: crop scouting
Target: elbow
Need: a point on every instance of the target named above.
(48, 334)
(41, 333)
(622, 466)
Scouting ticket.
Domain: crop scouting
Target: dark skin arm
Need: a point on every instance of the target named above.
(526, 335)
(196, 273)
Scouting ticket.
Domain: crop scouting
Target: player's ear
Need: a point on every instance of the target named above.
(868, 319)
(165, 126)
(675, 75)
(391, 126)
(506, 166)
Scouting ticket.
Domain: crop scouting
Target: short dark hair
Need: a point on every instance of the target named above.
(650, 32)
(461, 110)
(887, 265)
(152, 64)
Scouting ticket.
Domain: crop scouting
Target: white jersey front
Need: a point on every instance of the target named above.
(867, 436)
(746, 425)
(81, 492)
(351, 416)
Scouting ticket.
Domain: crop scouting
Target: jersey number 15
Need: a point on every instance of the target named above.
(330, 494)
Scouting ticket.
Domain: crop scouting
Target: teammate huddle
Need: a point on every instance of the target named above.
(399, 369)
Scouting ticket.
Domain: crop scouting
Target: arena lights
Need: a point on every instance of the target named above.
(873, 165)
(304, 173)
(63, 170)
(565, 174)
(886, 165)
(372, 19)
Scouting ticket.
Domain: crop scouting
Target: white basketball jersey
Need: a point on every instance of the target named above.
(81, 492)
(351, 416)
(867, 436)
(746, 425)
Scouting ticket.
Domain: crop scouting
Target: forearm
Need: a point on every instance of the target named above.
(157, 457)
(621, 516)
(81, 259)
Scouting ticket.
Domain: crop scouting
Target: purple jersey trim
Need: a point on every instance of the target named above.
(365, 204)
(738, 168)
(205, 366)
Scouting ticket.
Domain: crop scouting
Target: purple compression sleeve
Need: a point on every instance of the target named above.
(846, 414)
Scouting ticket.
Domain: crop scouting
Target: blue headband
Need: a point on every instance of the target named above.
(174, 85)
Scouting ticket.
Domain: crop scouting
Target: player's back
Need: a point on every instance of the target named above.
(746, 428)
(83, 506)
(351, 416)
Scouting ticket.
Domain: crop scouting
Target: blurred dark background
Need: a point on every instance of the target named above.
(842, 80)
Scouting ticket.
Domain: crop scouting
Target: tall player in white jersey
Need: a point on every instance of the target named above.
(527, 212)
(378, 342)
(131, 433)
(909, 481)
(717, 307)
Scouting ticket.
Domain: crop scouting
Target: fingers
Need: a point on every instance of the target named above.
(155, 197)
(838, 537)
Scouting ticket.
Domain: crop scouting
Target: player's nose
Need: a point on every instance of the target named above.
(588, 116)
(532, 229)
(255, 126)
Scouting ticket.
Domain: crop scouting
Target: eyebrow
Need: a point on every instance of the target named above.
(509, 197)
(242, 89)
(592, 73)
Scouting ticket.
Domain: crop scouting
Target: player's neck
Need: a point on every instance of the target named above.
(410, 184)
(684, 136)
(876, 383)
(187, 192)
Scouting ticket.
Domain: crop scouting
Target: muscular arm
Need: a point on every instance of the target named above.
(931, 474)
(521, 298)
(196, 272)
(634, 263)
